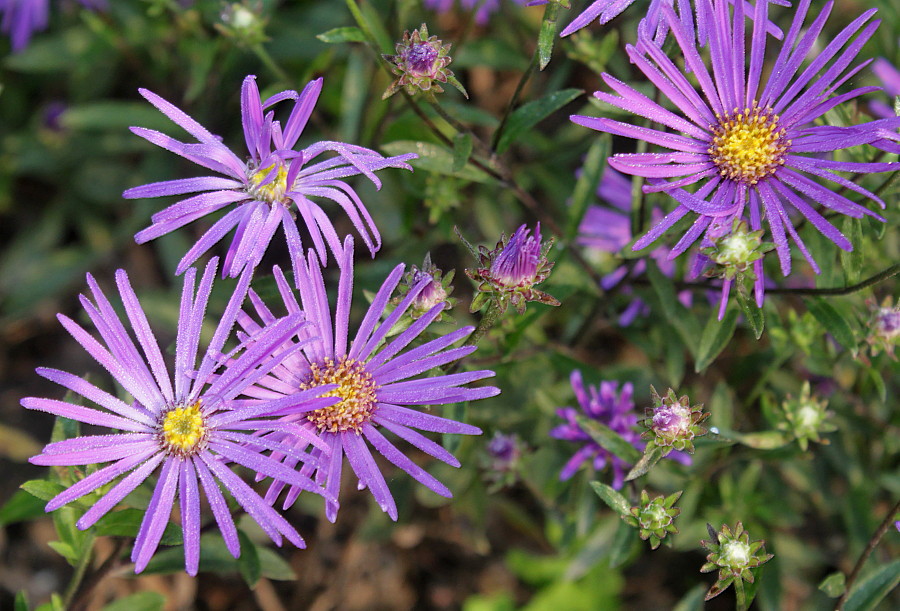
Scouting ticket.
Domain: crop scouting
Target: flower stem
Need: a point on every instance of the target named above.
(870, 547)
(260, 51)
(80, 569)
(740, 594)
(487, 321)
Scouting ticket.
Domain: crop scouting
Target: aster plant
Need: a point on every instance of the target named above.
(379, 385)
(749, 144)
(507, 275)
(421, 65)
(269, 189)
(186, 431)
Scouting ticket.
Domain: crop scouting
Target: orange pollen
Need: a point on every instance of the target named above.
(356, 389)
(748, 145)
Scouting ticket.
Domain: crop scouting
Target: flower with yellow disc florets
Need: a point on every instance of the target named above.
(806, 418)
(733, 555)
(421, 65)
(508, 274)
(673, 423)
(655, 519)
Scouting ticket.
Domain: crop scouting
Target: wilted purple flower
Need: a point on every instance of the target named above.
(484, 7)
(186, 430)
(672, 422)
(608, 230)
(744, 140)
(269, 189)
(376, 381)
(421, 64)
(22, 18)
(608, 406)
(890, 78)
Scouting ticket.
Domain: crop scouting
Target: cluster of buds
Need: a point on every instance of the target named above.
(421, 65)
(733, 555)
(806, 418)
(243, 22)
(654, 518)
(508, 274)
(673, 423)
(884, 327)
(436, 292)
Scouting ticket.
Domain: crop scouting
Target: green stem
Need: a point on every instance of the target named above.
(881, 276)
(886, 525)
(489, 319)
(260, 51)
(80, 569)
(740, 594)
(514, 99)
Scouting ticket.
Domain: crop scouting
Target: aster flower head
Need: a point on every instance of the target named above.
(806, 418)
(379, 384)
(744, 142)
(501, 460)
(654, 518)
(508, 273)
(243, 22)
(19, 19)
(421, 65)
(672, 422)
(889, 76)
(436, 291)
(884, 326)
(733, 555)
(271, 188)
(186, 431)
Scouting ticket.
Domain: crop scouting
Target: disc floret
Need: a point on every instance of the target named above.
(356, 389)
(268, 184)
(748, 144)
(183, 430)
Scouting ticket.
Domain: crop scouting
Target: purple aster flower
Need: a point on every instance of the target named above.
(608, 406)
(269, 189)
(608, 230)
(483, 8)
(185, 430)
(378, 380)
(743, 140)
(653, 26)
(22, 18)
(890, 77)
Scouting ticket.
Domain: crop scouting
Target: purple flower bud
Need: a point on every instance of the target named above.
(421, 59)
(517, 263)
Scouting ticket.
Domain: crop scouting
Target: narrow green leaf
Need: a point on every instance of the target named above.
(715, 337)
(874, 588)
(766, 440)
(66, 428)
(21, 507)
(65, 550)
(142, 601)
(755, 316)
(609, 439)
(42, 489)
(528, 115)
(622, 544)
(834, 322)
(611, 497)
(652, 455)
(435, 158)
(127, 523)
(344, 34)
(851, 262)
(547, 35)
(462, 150)
(586, 185)
(834, 585)
(55, 604)
(248, 563)
(21, 603)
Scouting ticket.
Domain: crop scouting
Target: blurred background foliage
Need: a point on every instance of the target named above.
(514, 536)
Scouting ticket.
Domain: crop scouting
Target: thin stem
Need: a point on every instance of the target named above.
(886, 524)
(80, 569)
(881, 276)
(98, 575)
(260, 51)
(489, 319)
(526, 76)
(740, 594)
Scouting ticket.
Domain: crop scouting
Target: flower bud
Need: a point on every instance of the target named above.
(884, 327)
(806, 418)
(243, 22)
(733, 555)
(734, 251)
(436, 291)
(655, 519)
(673, 423)
(421, 64)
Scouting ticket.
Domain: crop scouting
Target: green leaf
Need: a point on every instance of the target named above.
(622, 544)
(527, 116)
(874, 588)
(851, 261)
(547, 35)
(767, 440)
(611, 497)
(23, 506)
(370, 24)
(586, 185)
(652, 455)
(715, 337)
(113, 116)
(435, 158)
(127, 523)
(248, 563)
(55, 604)
(215, 557)
(755, 316)
(462, 150)
(65, 550)
(609, 439)
(344, 34)
(42, 489)
(21, 603)
(142, 601)
(678, 316)
(834, 585)
(834, 322)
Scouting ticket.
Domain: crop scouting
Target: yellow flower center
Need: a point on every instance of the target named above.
(356, 390)
(183, 430)
(748, 145)
(265, 187)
